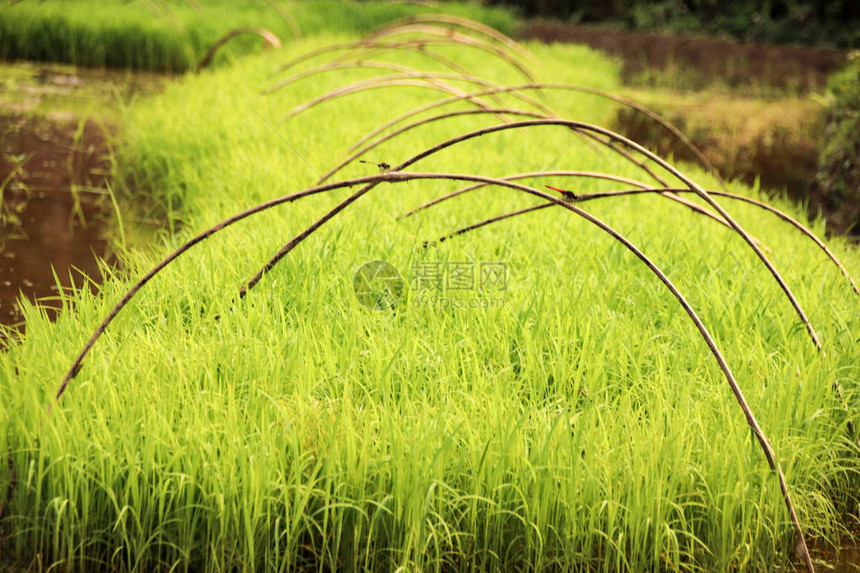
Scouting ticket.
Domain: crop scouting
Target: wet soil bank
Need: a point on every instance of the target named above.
(57, 124)
(774, 143)
(735, 63)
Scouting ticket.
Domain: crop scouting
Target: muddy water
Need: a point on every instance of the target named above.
(846, 560)
(56, 123)
(53, 208)
(849, 560)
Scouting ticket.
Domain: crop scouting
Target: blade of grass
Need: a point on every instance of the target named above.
(13, 482)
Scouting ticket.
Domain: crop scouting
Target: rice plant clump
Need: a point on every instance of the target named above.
(661, 373)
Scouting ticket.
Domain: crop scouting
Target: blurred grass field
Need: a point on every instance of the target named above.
(175, 35)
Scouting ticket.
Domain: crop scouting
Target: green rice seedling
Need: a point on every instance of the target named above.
(390, 81)
(802, 549)
(515, 90)
(575, 425)
(300, 237)
(648, 113)
(640, 188)
(765, 444)
(383, 82)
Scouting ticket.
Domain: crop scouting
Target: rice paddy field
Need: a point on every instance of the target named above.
(524, 396)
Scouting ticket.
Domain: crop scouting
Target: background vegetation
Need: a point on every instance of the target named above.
(838, 180)
(816, 23)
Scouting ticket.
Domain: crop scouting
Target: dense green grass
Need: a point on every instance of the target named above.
(174, 35)
(578, 424)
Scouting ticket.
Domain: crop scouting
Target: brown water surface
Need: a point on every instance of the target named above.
(53, 216)
(56, 127)
(845, 560)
